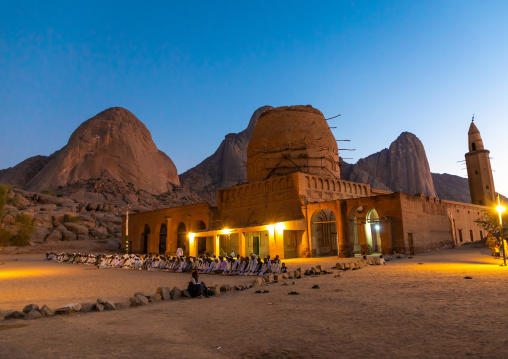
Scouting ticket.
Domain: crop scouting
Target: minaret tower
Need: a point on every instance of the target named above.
(479, 172)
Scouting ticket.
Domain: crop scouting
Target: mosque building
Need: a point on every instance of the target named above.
(294, 203)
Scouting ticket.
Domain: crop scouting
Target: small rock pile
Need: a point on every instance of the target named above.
(32, 311)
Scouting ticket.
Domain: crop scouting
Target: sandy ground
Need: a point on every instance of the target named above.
(404, 309)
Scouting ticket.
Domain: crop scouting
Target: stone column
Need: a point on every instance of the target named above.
(385, 232)
(216, 245)
(171, 237)
(193, 246)
(241, 244)
(272, 246)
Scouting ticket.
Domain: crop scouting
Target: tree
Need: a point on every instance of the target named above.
(490, 221)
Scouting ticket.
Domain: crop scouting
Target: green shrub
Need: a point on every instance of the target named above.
(22, 238)
(48, 191)
(59, 195)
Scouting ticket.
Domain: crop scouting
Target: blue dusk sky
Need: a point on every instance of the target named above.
(193, 71)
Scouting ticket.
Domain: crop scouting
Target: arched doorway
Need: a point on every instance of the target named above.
(365, 230)
(181, 238)
(163, 236)
(201, 241)
(324, 233)
(144, 239)
(372, 228)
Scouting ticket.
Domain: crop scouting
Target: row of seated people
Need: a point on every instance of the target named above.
(226, 265)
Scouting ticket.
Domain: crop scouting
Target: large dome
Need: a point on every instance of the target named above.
(292, 139)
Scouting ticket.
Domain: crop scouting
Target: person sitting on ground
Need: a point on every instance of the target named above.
(251, 267)
(275, 265)
(283, 268)
(229, 267)
(222, 264)
(188, 265)
(265, 267)
(216, 266)
(381, 260)
(196, 289)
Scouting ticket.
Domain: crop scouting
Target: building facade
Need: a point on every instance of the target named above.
(294, 204)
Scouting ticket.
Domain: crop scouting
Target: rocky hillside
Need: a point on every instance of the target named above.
(225, 168)
(451, 187)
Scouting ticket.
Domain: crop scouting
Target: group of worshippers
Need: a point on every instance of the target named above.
(496, 245)
(224, 265)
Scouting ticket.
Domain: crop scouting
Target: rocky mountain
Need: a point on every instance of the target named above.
(403, 167)
(225, 168)
(23, 172)
(451, 187)
(113, 144)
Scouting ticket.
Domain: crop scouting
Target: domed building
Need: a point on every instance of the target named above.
(294, 204)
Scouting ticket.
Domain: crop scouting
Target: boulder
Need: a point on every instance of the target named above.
(69, 308)
(5, 313)
(39, 235)
(155, 297)
(175, 293)
(122, 305)
(258, 281)
(226, 288)
(30, 307)
(54, 236)
(138, 300)
(15, 315)
(268, 278)
(185, 293)
(99, 307)
(47, 311)
(109, 305)
(215, 290)
(164, 292)
(34, 314)
(139, 293)
(87, 307)
(76, 228)
(97, 233)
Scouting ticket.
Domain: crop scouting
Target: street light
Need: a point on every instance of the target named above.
(500, 209)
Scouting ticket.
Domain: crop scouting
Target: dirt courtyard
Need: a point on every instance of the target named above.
(410, 308)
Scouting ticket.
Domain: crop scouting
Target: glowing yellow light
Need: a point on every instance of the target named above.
(500, 209)
(226, 231)
(270, 228)
(280, 227)
(9, 274)
(191, 237)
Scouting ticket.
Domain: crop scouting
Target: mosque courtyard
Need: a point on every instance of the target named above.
(420, 307)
